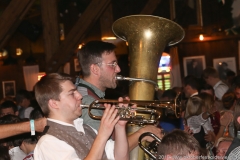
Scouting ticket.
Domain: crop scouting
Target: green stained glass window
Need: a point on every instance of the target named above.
(163, 80)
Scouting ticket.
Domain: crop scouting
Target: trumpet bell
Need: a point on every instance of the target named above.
(152, 148)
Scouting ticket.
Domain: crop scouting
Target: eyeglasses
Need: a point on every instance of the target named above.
(113, 65)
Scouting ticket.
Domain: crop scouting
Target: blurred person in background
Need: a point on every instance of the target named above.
(8, 107)
(23, 98)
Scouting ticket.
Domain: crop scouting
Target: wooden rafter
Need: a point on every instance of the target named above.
(51, 27)
(12, 17)
(150, 7)
(65, 51)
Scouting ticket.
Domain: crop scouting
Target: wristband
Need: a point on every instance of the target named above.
(32, 127)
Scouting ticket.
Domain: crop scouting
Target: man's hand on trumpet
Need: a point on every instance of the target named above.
(121, 123)
(109, 122)
(120, 99)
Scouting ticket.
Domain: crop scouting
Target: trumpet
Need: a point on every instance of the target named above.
(152, 148)
(126, 113)
(133, 115)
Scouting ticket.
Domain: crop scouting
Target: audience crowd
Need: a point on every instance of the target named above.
(208, 128)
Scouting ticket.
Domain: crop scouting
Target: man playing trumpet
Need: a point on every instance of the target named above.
(99, 68)
(67, 137)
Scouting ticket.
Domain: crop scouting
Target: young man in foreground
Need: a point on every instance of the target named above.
(67, 136)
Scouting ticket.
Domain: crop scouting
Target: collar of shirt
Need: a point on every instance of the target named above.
(194, 94)
(78, 123)
(16, 153)
(100, 93)
(217, 84)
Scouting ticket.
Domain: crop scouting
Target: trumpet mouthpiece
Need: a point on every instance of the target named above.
(119, 77)
(84, 106)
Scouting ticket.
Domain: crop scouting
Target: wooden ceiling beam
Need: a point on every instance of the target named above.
(66, 50)
(51, 27)
(150, 7)
(12, 17)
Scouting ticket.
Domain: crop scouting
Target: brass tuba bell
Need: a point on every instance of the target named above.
(147, 36)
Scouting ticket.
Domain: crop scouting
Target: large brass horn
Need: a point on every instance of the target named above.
(147, 36)
(152, 148)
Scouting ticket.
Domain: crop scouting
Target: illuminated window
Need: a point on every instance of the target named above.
(163, 78)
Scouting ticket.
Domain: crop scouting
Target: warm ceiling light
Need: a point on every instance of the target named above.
(80, 45)
(40, 75)
(201, 37)
(108, 38)
(3, 53)
(19, 51)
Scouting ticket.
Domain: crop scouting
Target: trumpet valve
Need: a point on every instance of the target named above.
(126, 112)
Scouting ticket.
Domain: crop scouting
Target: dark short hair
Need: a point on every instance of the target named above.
(207, 87)
(170, 93)
(210, 72)
(236, 82)
(178, 143)
(23, 94)
(230, 73)
(192, 81)
(9, 104)
(91, 53)
(49, 87)
(36, 113)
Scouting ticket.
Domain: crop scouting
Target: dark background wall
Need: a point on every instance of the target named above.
(209, 49)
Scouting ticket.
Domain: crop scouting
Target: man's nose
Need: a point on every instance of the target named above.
(79, 96)
(117, 69)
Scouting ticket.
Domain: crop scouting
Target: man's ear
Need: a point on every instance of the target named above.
(53, 104)
(94, 69)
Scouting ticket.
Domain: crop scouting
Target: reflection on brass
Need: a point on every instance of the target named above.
(150, 148)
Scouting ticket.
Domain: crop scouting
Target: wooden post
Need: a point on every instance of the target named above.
(51, 27)
(106, 21)
(150, 7)
(172, 10)
(199, 13)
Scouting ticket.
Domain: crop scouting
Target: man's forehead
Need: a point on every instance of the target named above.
(7, 110)
(225, 143)
(67, 86)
